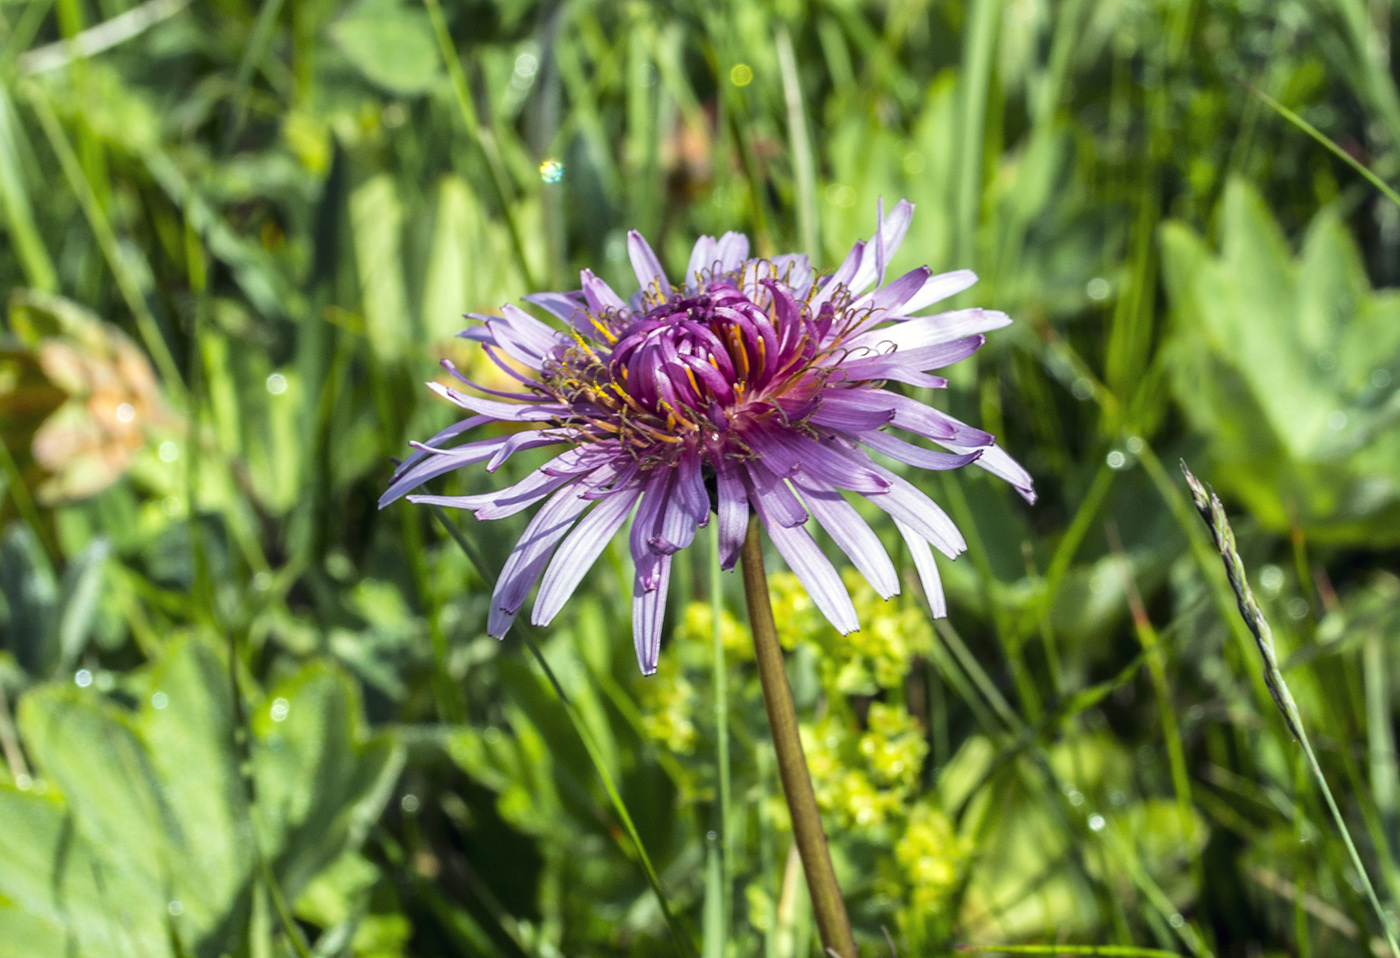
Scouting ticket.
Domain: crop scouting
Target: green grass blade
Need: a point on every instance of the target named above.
(984, 20)
(804, 168)
(1108, 951)
(474, 555)
(19, 215)
(1322, 138)
(127, 282)
(483, 136)
(721, 678)
(1213, 512)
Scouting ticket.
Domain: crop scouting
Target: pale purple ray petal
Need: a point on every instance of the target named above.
(890, 299)
(646, 264)
(675, 526)
(940, 287)
(478, 334)
(771, 496)
(527, 560)
(456, 429)
(995, 460)
(503, 411)
(795, 270)
(888, 237)
(451, 368)
(732, 249)
(562, 305)
(499, 503)
(580, 550)
(841, 279)
(909, 362)
(649, 611)
(850, 533)
(535, 333)
(599, 295)
(922, 332)
(855, 410)
(703, 259)
(907, 452)
(813, 569)
(501, 335)
(733, 509)
(927, 568)
(897, 373)
(690, 486)
(438, 462)
(645, 524)
(520, 441)
(787, 454)
(906, 503)
(880, 261)
(933, 424)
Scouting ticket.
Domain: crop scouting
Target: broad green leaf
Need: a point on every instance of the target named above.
(1290, 367)
(82, 591)
(138, 826)
(376, 219)
(391, 44)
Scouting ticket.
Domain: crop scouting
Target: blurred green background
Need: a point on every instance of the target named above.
(245, 713)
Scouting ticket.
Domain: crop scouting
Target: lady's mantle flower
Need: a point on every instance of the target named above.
(750, 384)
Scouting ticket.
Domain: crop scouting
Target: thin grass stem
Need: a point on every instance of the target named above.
(1213, 512)
(1326, 141)
(127, 283)
(721, 679)
(803, 167)
(1115, 951)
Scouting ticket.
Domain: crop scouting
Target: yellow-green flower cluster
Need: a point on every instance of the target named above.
(667, 704)
(877, 657)
(697, 624)
(864, 779)
(928, 859)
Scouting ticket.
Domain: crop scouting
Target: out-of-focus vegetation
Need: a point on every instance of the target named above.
(244, 713)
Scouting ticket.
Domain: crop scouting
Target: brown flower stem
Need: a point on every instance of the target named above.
(827, 906)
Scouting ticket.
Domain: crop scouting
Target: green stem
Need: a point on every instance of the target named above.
(827, 906)
(721, 714)
(1213, 512)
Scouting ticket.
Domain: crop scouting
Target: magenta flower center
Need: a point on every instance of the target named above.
(696, 371)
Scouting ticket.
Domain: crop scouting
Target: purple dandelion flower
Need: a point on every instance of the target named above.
(751, 384)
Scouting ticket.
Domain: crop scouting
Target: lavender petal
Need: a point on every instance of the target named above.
(649, 611)
(646, 264)
(733, 508)
(579, 551)
(850, 533)
(813, 569)
(927, 568)
(527, 560)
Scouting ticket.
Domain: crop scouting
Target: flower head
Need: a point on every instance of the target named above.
(751, 384)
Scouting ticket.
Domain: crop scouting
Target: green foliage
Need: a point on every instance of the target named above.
(138, 831)
(1291, 369)
(258, 225)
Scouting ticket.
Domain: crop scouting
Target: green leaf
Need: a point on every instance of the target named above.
(131, 812)
(82, 590)
(376, 220)
(31, 596)
(1289, 366)
(391, 45)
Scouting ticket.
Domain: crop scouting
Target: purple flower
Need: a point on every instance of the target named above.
(751, 384)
